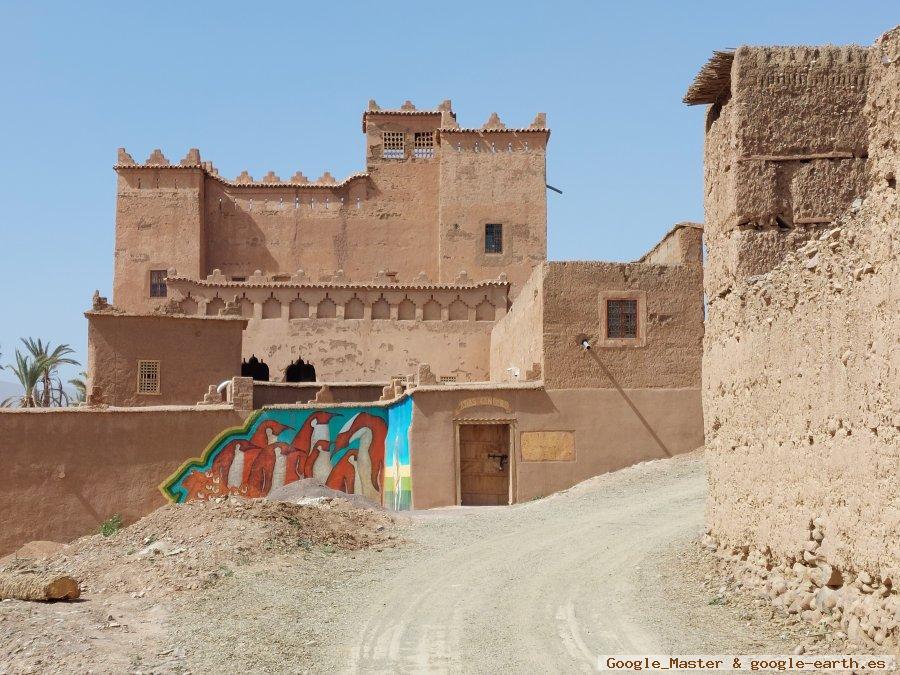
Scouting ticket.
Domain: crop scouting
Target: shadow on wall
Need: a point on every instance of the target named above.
(627, 399)
(358, 450)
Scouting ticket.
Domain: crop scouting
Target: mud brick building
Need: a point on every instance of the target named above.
(399, 333)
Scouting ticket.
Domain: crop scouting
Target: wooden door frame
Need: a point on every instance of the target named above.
(509, 422)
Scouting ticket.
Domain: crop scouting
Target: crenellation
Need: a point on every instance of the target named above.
(157, 158)
(192, 158)
(124, 159)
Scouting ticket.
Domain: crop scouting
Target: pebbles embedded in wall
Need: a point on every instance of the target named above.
(863, 607)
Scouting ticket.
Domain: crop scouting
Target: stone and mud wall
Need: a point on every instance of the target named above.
(801, 375)
(786, 152)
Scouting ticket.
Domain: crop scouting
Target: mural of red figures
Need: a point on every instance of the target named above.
(341, 447)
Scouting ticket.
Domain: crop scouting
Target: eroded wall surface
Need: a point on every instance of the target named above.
(801, 374)
(786, 152)
(69, 469)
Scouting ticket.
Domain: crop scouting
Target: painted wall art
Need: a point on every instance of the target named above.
(355, 449)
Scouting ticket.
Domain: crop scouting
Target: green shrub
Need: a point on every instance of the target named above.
(111, 525)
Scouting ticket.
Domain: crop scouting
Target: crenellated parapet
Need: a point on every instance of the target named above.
(192, 161)
(429, 192)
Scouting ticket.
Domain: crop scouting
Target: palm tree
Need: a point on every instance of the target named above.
(51, 389)
(80, 385)
(28, 373)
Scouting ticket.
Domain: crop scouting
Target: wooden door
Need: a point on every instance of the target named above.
(484, 464)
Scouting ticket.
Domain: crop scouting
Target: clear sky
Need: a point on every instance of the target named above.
(282, 85)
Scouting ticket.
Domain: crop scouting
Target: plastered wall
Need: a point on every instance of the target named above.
(564, 304)
(365, 350)
(356, 449)
(193, 353)
(670, 308)
(517, 340)
(611, 429)
(369, 332)
(801, 364)
(494, 177)
(93, 463)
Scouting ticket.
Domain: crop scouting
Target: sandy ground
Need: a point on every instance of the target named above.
(608, 567)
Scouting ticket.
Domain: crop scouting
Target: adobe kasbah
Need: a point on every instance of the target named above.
(399, 333)
(398, 338)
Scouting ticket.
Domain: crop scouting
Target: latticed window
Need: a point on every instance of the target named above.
(393, 142)
(148, 377)
(621, 318)
(493, 238)
(447, 379)
(424, 145)
(158, 283)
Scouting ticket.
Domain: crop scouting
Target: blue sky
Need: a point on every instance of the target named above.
(281, 86)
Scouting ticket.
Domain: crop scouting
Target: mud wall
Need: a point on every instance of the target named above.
(670, 325)
(284, 393)
(517, 340)
(608, 430)
(193, 353)
(67, 470)
(786, 153)
(420, 211)
(359, 332)
(497, 177)
(801, 375)
(361, 350)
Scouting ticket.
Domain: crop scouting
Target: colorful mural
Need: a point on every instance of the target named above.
(360, 450)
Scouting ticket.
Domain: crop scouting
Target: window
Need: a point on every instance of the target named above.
(448, 379)
(621, 319)
(148, 377)
(493, 238)
(239, 279)
(393, 144)
(424, 145)
(158, 283)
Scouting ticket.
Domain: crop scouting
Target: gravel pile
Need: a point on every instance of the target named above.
(190, 546)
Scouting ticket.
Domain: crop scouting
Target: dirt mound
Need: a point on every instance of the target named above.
(188, 546)
(309, 490)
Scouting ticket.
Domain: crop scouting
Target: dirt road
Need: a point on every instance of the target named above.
(545, 586)
(607, 567)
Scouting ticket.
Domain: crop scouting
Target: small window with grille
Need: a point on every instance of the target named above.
(493, 238)
(394, 144)
(424, 145)
(148, 377)
(621, 319)
(448, 379)
(158, 283)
